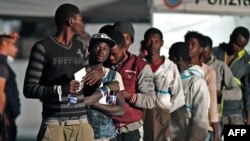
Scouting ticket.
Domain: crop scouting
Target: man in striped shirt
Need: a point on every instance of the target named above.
(52, 65)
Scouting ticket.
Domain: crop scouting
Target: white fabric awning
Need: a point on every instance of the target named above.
(221, 7)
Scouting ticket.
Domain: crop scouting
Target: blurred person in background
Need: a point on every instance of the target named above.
(237, 58)
(9, 95)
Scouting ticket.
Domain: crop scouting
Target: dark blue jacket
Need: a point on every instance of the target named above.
(12, 95)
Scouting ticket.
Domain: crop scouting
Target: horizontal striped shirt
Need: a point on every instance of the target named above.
(52, 64)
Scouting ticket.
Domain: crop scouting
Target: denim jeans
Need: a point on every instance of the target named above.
(102, 124)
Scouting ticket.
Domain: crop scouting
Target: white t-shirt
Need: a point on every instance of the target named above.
(118, 78)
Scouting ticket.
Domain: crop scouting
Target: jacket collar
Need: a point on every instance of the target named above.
(194, 70)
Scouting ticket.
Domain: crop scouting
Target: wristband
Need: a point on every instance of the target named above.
(104, 91)
(107, 87)
(59, 92)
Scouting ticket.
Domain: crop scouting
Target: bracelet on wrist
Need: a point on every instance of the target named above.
(108, 88)
(104, 91)
(59, 92)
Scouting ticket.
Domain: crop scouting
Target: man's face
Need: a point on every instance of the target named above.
(77, 24)
(206, 55)
(10, 47)
(154, 44)
(100, 52)
(194, 47)
(117, 55)
(128, 41)
(239, 43)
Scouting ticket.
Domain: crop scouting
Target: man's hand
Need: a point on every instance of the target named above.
(71, 87)
(74, 86)
(126, 94)
(215, 127)
(113, 85)
(93, 76)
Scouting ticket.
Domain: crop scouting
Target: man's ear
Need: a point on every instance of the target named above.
(70, 22)
(162, 42)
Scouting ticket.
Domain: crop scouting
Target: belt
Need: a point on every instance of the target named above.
(72, 120)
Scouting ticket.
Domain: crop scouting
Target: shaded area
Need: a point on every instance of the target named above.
(93, 10)
(121, 10)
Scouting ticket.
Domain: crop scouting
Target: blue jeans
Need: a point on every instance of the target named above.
(102, 124)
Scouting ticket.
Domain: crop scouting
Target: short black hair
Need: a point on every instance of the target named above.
(240, 31)
(106, 28)
(180, 50)
(117, 36)
(64, 12)
(151, 31)
(197, 35)
(208, 41)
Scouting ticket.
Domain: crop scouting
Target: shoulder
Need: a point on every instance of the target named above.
(211, 71)
(44, 41)
(169, 63)
(196, 83)
(219, 64)
(247, 56)
(40, 45)
(75, 40)
(138, 61)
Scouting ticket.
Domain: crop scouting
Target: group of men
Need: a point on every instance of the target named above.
(188, 96)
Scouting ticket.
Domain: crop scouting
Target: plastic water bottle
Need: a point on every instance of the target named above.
(72, 100)
(112, 98)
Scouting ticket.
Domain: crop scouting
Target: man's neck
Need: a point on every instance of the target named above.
(196, 61)
(185, 66)
(155, 59)
(125, 58)
(64, 36)
(96, 65)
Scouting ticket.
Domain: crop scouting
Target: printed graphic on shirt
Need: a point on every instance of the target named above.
(79, 53)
